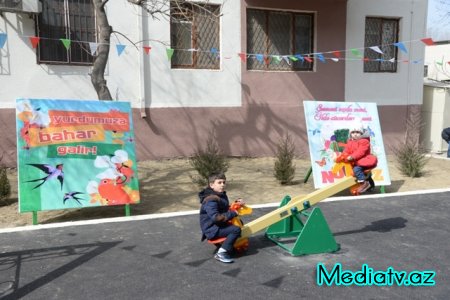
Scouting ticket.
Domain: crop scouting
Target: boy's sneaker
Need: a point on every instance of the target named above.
(223, 257)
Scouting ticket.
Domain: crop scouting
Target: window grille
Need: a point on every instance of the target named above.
(381, 32)
(279, 33)
(195, 26)
(66, 19)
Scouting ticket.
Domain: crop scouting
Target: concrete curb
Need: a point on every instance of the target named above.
(193, 212)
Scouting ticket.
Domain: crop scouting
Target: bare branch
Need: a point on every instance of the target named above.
(103, 3)
(131, 42)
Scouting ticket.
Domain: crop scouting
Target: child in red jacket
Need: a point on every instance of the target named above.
(357, 152)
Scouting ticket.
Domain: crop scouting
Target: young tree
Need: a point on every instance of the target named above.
(100, 61)
(154, 8)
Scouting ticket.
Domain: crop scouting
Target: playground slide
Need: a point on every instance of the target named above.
(296, 204)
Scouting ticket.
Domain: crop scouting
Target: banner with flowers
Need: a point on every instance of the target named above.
(328, 125)
(74, 154)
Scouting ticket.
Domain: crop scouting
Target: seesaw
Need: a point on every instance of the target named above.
(297, 219)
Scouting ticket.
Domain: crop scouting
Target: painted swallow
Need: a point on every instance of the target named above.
(72, 195)
(53, 172)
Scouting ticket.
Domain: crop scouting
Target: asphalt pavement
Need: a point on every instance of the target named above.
(161, 257)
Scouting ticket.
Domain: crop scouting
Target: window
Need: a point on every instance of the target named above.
(279, 33)
(195, 26)
(66, 19)
(383, 33)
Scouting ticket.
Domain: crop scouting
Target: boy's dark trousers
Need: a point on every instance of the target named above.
(232, 233)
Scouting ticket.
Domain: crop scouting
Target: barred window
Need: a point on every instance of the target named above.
(66, 19)
(381, 32)
(195, 26)
(272, 33)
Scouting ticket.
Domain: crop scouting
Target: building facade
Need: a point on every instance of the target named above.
(242, 71)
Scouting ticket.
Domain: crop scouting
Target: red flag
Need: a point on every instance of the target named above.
(307, 58)
(337, 54)
(147, 49)
(34, 41)
(428, 41)
(243, 57)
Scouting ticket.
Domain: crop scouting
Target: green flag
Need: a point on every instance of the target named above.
(66, 43)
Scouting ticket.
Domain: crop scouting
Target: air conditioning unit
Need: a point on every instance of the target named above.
(18, 6)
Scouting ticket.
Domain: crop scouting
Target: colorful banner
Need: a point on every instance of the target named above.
(74, 154)
(328, 125)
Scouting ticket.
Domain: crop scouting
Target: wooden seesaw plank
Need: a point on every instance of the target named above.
(297, 202)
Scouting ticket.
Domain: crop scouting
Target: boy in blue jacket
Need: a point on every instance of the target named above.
(215, 215)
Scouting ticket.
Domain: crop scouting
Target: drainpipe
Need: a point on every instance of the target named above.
(140, 27)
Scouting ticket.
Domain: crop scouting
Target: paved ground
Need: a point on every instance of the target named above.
(163, 258)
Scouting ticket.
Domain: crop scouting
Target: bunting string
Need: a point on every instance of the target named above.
(354, 54)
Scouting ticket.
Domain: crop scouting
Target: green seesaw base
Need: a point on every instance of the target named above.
(310, 237)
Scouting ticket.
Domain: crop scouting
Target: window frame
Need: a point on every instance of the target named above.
(76, 44)
(194, 29)
(310, 66)
(372, 56)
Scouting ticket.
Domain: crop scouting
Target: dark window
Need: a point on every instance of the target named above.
(66, 19)
(278, 33)
(383, 33)
(195, 26)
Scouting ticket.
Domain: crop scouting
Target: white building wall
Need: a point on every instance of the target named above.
(405, 87)
(144, 80)
(195, 88)
(21, 76)
(437, 58)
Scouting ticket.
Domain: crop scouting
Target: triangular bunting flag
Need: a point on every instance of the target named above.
(392, 60)
(169, 52)
(366, 59)
(34, 40)
(401, 46)
(286, 59)
(120, 48)
(266, 60)
(428, 41)
(320, 57)
(2, 39)
(308, 59)
(376, 49)
(299, 57)
(214, 51)
(259, 57)
(277, 58)
(293, 58)
(66, 43)
(337, 54)
(356, 53)
(243, 57)
(93, 47)
(147, 49)
(335, 59)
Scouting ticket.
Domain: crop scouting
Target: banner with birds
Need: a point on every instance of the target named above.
(329, 125)
(74, 154)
